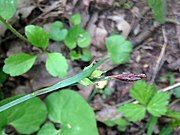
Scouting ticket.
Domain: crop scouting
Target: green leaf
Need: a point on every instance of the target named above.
(75, 19)
(75, 55)
(142, 92)
(37, 36)
(26, 117)
(173, 114)
(159, 9)
(86, 82)
(3, 76)
(18, 64)
(57, 33)
(56, 65)
(48, 129)
(8, 8)
(77, 36)
(158, 104)
(151, 124)
(86, 56)
(176, 92)
(118, 49)
(166, 131)
(134, 112)
(73, 113)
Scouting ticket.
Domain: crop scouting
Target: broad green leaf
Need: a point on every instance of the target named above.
(18, 64)
(158, 104)
(7, 8)
(75, 19)
(159, 9)
(86, 55)
(56, 65)
(3, 76)
(73, 113)
(142, 92)
(37, 36)
(134, 112)
(26, 117)
(118, 49)
(176, 92)
(77, 36)
(48, 129)
(57, 32)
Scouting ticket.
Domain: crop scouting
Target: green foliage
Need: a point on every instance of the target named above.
(77, 36)
(151, 124)
(26, 118)
(3, 76)
(166, 131)
(75, 19)
(134, 112)
(73, 113)
(57, 32)
(56, 65)
(121, 123)
(86, 55)
(142, 92)
(75, 55)
(48, 129)
(37, 36)
(7, 8)
(159, 9)
(149, 99)
(158, 104)
(118, 49)
(173, 114)
(18, 64)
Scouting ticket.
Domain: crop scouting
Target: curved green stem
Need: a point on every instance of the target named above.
(14, 31)
(64, 83)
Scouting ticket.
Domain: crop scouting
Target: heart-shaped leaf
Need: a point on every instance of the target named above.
(158, 104)
(37, 36)
(56, 65)
(134, 112)
(18, 64)
(57, 32)
(118, 49)
(142, 92)
(73, 113)
(26, 117)
(77, 36)
(7, 8)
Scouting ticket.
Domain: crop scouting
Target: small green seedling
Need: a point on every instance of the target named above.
(56, 63)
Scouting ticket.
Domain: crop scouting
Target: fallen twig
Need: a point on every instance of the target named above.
(161, 56)
(170, 87)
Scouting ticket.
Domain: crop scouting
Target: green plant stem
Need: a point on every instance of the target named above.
(14, 31)
(64, 83)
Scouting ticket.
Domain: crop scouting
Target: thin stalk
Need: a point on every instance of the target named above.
(14, 31)
(64, 83)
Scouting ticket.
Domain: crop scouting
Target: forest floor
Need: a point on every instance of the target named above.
(156, 49)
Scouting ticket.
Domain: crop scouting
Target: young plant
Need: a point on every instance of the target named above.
(148, 100)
